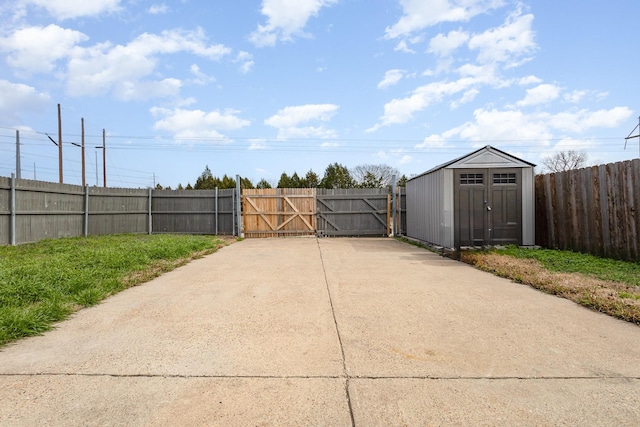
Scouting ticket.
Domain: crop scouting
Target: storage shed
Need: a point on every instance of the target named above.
(483, 198)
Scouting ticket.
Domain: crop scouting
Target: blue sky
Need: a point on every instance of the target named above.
(257, 88)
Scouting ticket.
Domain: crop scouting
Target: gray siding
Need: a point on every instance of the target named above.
(528, 207)
(428, 209)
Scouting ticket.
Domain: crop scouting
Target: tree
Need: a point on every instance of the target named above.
(337, 176)
(565, 160)
(374, 176)
(205, 181)
(180, 187)
(263, 183)
(188, 187)
(158, 186)
(311, 179)
(285, 181)
(297, 182)
(246, 183)
(402, 182)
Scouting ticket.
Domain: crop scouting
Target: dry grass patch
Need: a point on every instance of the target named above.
(618, 299)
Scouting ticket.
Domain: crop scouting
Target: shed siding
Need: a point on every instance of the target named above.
(430, 197)
(528, 207)
(425, 208)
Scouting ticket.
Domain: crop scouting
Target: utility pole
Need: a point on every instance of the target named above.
(104, 159)
(634, 136)
(96, 168)
(84, 180)
(60, 144)
(18, 166)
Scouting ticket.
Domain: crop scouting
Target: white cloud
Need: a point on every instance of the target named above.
(529, 80)
(68, 9)
(398, 111)
(442, 45)
(184, 123)
(285, 19)
(158, 9)
(584, 120)
(575, 96)
(540, 94)
(289, 121)
(510, 43)
(330, 144)
(257, 144)
(245, 60)
(200, 77)
(467, 97)
(391, 77)
(519, 127)
(17, 98)
(36, 49)
(402, 46)
(142, 90)
(104, 68)
(433, 141)
(420, 14)
(405, 159)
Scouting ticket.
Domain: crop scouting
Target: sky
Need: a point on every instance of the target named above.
(257, 88)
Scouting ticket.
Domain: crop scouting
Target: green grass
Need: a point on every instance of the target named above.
(574, 262)
(42, 283)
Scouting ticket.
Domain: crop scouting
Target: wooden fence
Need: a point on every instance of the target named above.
(273, 212)
(593, 210)
(35, 210)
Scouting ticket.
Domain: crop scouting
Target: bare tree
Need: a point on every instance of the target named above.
(374, 176)
(565, 160)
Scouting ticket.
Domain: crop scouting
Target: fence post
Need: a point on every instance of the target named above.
(239, 207)
(12, 210)
(216, 207)
(150, 218)
(393, 206)
(85, 222)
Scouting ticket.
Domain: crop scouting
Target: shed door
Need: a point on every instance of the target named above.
(488, 207)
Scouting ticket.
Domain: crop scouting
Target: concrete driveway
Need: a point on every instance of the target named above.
(331, 332)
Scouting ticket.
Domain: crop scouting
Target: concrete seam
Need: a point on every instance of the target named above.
(311, 377)
(335, 323)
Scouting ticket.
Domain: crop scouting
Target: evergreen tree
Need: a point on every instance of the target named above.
(337, 176)
(246, 183)
(205, 181)
(311, 179)
(296, 182)
(189, 187)
(263, 183)
(285, 181)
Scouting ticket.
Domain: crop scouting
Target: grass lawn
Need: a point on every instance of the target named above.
(606, 285)
(44, 282)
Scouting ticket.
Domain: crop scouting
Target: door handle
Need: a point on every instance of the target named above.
(488, 208)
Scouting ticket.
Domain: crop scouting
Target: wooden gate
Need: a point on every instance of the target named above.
(354, 212)
(272, 212)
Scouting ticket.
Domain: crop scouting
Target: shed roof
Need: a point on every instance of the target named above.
(467, 160)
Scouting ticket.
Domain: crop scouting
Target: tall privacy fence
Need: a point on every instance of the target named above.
(594, 210)
(35, 210)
